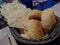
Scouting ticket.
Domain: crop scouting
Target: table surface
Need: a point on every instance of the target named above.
(4, 35)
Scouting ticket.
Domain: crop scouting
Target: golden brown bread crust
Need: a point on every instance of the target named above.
(35, 29)
(35, 14)
(48, 19)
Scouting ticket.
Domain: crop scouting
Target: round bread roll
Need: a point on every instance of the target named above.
(35, 29)
(35, 14)
(48, 19)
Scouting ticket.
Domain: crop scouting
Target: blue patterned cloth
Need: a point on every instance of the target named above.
(43, 5)
(48, 4)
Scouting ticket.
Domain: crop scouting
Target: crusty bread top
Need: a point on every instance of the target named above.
(35, 14)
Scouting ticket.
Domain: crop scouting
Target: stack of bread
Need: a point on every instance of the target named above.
(13, 11)
(38, 23)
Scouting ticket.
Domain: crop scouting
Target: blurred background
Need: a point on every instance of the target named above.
(38, 4)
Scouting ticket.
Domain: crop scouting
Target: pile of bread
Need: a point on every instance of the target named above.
(13, 11)
(37, 23)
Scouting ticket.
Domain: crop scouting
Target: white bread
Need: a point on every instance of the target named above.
(14, 17)
(20, 23)
(48, 19)
(35, 29)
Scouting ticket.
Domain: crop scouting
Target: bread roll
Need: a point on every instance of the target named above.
(35, 14)
(48, 19)
(35, 29)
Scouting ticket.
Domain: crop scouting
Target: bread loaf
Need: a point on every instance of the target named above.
(48, 19)
(35, 14)
(35, 29)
